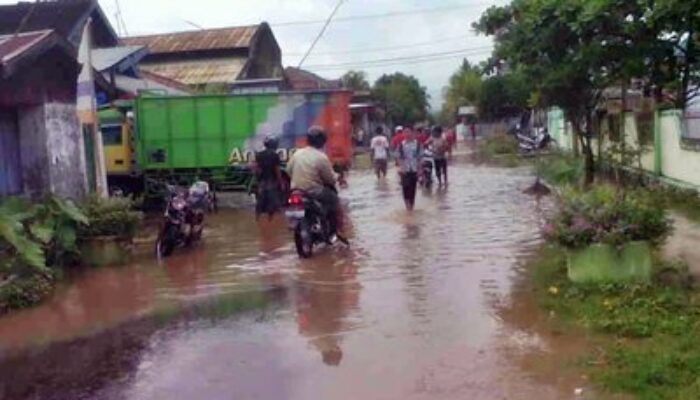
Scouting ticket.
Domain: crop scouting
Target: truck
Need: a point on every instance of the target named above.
(180, 139)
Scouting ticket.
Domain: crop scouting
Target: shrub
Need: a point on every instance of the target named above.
(37, 235)
(560, 169)
(604, 215)
(500, 144)
(110, 217)
(25, 291)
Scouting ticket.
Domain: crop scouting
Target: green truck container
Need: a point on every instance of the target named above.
(214, 137)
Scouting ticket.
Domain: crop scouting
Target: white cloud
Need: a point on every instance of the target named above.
(155, 16)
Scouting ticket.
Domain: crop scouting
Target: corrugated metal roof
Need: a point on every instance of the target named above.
(200, 72)
(208, 39)
(133, 86)
(12, 46)
(104, 59)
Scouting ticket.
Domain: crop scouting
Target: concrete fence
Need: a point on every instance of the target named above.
(673, 153)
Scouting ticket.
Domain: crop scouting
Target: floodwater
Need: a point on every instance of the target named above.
(428, 305)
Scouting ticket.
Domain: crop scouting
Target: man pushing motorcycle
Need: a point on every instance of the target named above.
(311, 171)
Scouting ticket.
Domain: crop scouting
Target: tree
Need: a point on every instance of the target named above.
(672, 52)
(356, 81)
(463, 89)
(571, 50)
(503, 96)
(403, 97)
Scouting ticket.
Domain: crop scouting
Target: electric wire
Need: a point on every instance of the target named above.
(323, 30)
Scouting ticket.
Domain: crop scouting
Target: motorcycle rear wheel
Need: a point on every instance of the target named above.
(303, 239)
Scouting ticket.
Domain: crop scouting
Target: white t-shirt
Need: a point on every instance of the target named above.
(380, 147)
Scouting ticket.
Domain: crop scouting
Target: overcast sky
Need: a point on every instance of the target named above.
(418, 27)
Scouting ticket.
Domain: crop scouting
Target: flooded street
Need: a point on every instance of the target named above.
(422, 306)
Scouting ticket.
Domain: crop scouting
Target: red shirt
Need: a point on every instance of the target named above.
(423, 138)
(397, 140)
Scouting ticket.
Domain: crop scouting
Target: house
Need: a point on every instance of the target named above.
(299, 80)
(119, 75)
(79, 25)
(213, 59)
(40, 138)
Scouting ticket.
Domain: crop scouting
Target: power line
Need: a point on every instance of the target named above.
(383, 15)
(332, 67)
(407, 58)
(388, 48)
(323, 30)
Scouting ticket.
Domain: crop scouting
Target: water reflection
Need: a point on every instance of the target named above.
(326, 293)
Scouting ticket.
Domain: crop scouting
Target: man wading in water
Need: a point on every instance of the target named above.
(271, 184)
(408, 157)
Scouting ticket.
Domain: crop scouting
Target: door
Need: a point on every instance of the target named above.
(10, 165)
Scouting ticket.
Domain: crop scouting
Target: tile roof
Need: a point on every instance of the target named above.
(201, 71)
(208, 39)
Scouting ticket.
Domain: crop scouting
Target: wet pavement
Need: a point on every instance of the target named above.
(428, 305)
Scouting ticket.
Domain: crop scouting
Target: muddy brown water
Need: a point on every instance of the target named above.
(422, 306)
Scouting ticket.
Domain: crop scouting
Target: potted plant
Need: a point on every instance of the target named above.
(610, 234)
(107, 239)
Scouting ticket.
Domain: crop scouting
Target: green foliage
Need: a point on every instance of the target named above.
(560, 169)
(685, 200)
(573, 50)
(110, 217)
(499, 144)
(503, 96)
(464, 88)
(495, 97)
(355, 80)
(405, 100)
(605, 215)
(25, 291)
(37, 235)
(655, 327)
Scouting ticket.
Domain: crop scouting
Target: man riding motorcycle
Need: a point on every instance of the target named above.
(311, 171)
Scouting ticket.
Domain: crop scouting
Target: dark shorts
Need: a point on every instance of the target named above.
(440, 167)
(409, 181)
(381, 165)
(270, 198)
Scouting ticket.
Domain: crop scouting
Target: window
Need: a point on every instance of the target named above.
(111, 135)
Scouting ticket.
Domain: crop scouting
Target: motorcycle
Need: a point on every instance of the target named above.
(427, 165)
(541, 140)
(184, 218)
(309, 220)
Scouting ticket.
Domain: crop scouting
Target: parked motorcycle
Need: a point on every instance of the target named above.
(540, 140)
(309, 221)
(184, 217)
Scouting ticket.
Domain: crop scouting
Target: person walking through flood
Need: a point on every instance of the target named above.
(440, 147)
(398, 138)
(409, 152)
(379, 152)
(271, 184)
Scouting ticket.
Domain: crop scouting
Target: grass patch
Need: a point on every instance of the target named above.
(500, 149)
(686, 201)
(654, 329)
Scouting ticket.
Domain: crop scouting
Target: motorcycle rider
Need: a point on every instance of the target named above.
(312, 172)
(269, 176)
